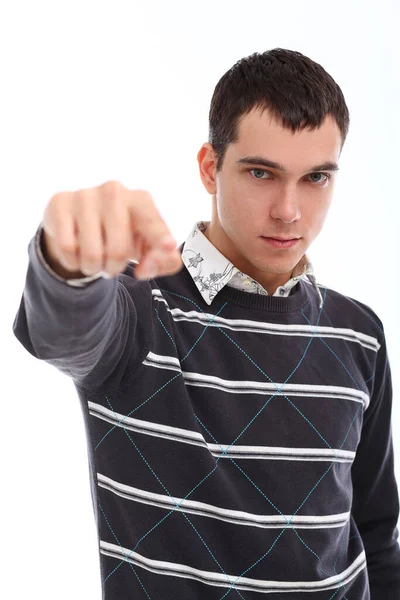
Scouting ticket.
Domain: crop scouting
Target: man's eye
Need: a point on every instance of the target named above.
(258, 171)
(262, 171)
(324, 174)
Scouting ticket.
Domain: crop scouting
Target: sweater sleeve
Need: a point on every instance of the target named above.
(91, 331)
(375, 494)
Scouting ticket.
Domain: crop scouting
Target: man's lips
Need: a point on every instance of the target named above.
(280, 243)
(280, 239)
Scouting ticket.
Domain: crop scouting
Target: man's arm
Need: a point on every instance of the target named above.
(89, 332)
(375, 492)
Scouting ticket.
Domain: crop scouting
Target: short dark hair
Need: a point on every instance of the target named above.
(294, 89)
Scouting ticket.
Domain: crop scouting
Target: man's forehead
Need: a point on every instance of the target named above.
(264, 121)
(277, 147)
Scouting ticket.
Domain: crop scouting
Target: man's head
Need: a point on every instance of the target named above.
(283, 107)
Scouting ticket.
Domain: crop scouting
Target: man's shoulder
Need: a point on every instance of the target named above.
(352, 309)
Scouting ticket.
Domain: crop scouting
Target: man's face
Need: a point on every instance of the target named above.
(252, 201)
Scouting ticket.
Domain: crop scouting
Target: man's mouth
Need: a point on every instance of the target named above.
(281, 242)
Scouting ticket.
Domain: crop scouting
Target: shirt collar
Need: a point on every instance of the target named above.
(211, 270)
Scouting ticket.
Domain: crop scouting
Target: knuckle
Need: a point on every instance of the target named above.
(111, 188)
(56, 198)
(85, 202)
(53, 207)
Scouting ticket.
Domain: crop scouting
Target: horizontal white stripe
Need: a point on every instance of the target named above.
(272, 328)
(256, 387)
(219, 579)
(237, 517)
(237, 451)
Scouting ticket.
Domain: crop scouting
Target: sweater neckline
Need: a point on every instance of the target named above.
(298, 298)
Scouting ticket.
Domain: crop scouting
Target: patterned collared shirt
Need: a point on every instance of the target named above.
(211, 270)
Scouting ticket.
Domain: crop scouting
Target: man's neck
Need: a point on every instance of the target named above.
(270, 282)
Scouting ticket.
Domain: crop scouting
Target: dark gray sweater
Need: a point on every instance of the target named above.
(240, 449)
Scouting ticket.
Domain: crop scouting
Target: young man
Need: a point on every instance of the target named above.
(238, 413)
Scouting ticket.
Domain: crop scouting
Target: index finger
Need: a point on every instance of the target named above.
(147, 221)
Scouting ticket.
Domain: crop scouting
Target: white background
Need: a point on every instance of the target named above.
(93, 91)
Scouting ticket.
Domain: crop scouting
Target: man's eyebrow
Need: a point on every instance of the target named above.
(259, 160)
